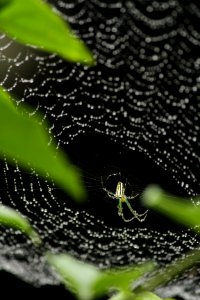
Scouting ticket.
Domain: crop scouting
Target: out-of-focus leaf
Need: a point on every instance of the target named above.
(140, 296)
(180, 210)
(121, 279)
(87, 282)
(78, 277)
(9, 217)
(34, 22)
(123, 296)
(146, 296)
(177, 267)
(23, 138)
(149, 296)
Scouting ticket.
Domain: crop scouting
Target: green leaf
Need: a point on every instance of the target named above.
(146, 296)
(87, 282)
(34, 22)
(121, 279)
(123, 296)
(179, 209)
(9, 217)
(140, 296)
(78, 277)
(174, 269)
(23, 138)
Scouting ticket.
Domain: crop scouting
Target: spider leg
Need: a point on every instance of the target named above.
(132, 197)
(103, 185)
(136, 215)
(125, 183)
(121, 214)
(129, 206)
(120, 209)
(110, 194)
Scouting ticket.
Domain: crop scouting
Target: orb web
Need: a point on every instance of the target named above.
(142, 96)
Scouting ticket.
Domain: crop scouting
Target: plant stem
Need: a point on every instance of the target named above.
(172, 270)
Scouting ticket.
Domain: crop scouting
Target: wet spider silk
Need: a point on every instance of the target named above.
(135, 114)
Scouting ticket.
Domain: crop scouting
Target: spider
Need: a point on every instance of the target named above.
(120, 195)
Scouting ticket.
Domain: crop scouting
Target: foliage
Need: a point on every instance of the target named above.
(33, 22)
(148, 296)
(177, 267)
(24, 139)
(179, 209)
(88, 282)
(9, 217)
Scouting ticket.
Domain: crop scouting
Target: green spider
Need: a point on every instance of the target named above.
(120, 195)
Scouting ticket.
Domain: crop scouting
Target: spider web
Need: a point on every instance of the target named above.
(140, 100)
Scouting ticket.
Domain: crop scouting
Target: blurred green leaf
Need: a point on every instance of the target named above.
(146, 296)
(140, 296)
(23, 138)
(34, 22)
(78, 277)
(87, 282)
(123, 296)
(9, 217)
(121, 279)
(172, 270)
(179, 209)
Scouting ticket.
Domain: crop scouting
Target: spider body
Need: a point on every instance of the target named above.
(122, 198)
(120, 192)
